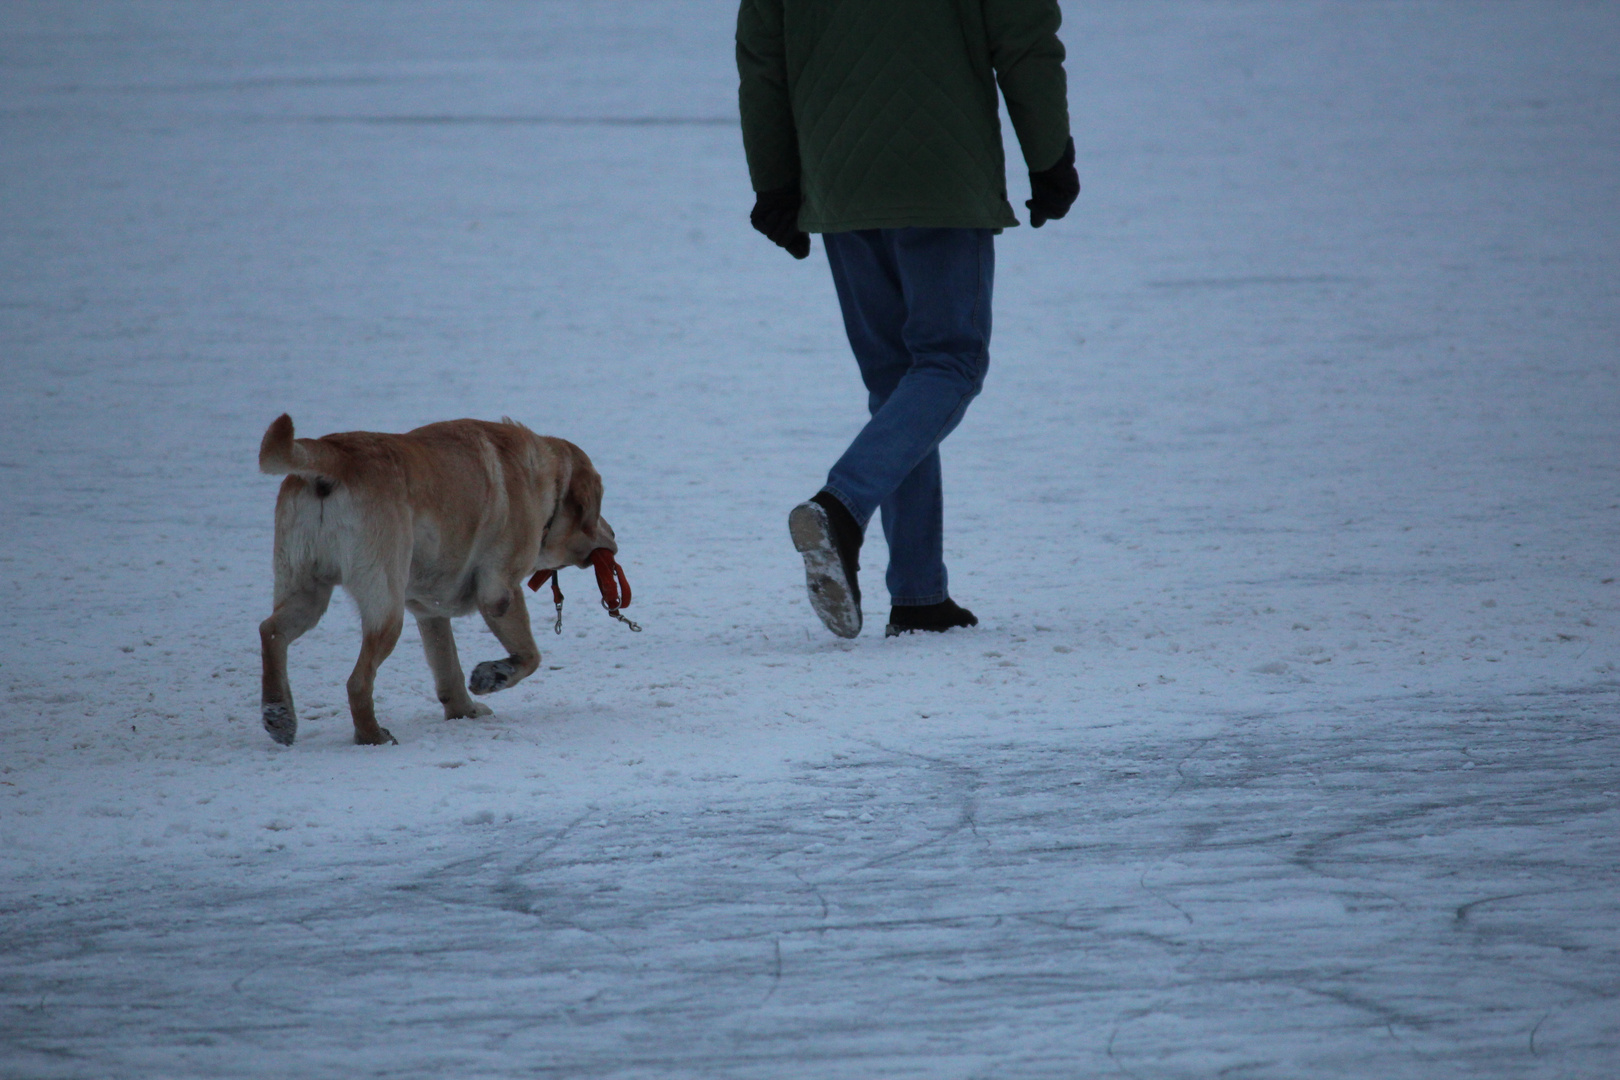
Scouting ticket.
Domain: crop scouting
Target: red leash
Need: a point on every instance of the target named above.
(615, 594)
(609, 578)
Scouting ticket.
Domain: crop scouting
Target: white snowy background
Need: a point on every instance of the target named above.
(1287, 743)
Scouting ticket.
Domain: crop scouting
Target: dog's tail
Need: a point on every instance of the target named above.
(280, 453)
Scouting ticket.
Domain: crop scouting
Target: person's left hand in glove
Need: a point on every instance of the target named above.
(776, 214)
(1052, 191)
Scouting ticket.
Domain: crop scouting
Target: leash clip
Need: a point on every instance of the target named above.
(616, 614)
(538, 580)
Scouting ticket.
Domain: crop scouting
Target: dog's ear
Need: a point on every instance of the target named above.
(584, 495)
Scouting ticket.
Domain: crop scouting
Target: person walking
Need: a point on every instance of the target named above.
(876, 125)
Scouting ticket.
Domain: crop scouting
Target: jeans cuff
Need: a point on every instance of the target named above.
(914, 601)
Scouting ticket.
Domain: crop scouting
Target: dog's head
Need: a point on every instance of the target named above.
(577, 527)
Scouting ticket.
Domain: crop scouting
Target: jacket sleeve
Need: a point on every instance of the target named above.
(770, 139)
(1028, 58)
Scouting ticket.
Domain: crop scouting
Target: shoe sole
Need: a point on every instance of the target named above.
(894, 630)
(830, 593)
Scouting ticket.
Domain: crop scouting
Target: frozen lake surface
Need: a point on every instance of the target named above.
(1287, 745)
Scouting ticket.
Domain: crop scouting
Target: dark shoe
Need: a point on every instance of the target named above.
(937, 618)
(825, 533)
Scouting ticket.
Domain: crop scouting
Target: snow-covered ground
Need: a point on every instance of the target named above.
(1287, 745)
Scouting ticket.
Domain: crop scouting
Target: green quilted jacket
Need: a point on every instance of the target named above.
(885, 110)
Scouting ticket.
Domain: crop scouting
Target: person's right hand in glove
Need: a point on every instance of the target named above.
(1052, 191)
(776, 214)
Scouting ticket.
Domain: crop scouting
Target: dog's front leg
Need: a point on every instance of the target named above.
(439, 643)
(508, 619)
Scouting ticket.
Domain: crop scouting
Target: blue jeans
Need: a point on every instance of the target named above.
(916, 306)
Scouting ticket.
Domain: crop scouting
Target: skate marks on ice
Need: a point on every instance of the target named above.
(1424, 890)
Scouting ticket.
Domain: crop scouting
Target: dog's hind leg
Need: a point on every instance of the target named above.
(374, 574)
(508, 619)
(377, 639)
(294, 615)
(439, 643)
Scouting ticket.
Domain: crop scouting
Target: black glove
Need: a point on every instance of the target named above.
(776, 214)
(1052, 191)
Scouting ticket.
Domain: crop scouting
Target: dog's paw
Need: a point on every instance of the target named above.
(281, 722)
(469, 710)
(491, 675)
(384, 737)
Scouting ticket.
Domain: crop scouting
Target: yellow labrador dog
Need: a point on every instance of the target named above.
(438, 521)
